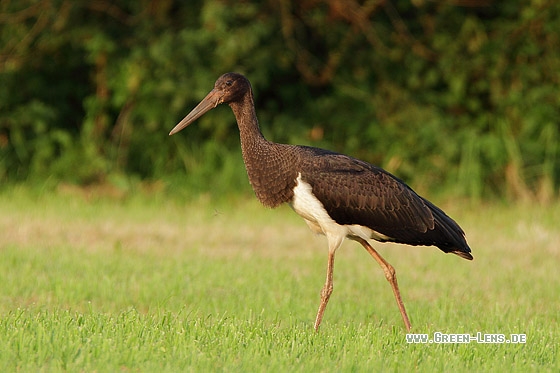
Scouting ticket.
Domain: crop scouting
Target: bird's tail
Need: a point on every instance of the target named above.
(456, 242)
(463, 254)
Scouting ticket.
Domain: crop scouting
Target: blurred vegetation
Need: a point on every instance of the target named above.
(458, 95)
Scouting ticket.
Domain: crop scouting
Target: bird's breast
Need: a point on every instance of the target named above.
(271, 171)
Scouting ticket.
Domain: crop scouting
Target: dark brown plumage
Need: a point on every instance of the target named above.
(338, 196)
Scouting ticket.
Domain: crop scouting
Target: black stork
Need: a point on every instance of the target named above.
(338, 196)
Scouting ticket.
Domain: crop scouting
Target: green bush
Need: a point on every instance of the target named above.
(463, 99)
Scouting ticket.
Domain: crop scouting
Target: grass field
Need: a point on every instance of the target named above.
(151, 283)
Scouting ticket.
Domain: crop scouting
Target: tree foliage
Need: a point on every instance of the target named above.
(461, 94)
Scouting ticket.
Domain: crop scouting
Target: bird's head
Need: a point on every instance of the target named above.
(229, 87)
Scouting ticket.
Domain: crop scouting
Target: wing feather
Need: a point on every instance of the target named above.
(356, 192)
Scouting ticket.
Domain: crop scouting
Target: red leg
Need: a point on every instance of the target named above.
(391, 276)
(326, 292)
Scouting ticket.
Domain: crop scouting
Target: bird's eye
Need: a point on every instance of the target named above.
(229, 83)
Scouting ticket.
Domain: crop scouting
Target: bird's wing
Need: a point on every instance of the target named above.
(356, 192)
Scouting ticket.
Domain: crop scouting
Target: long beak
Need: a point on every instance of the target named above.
(208, 103)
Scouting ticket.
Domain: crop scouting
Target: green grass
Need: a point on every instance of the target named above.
(150, 283)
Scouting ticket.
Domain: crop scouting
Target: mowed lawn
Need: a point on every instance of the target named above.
(146, 282)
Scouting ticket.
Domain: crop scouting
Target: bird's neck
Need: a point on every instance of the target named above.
(249, 130)
(265, 161)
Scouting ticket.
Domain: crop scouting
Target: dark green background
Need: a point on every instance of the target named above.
(458, 97)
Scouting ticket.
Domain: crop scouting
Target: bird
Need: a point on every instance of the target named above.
(337, 195)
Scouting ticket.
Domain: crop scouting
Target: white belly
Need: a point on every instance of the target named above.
(317, 218)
